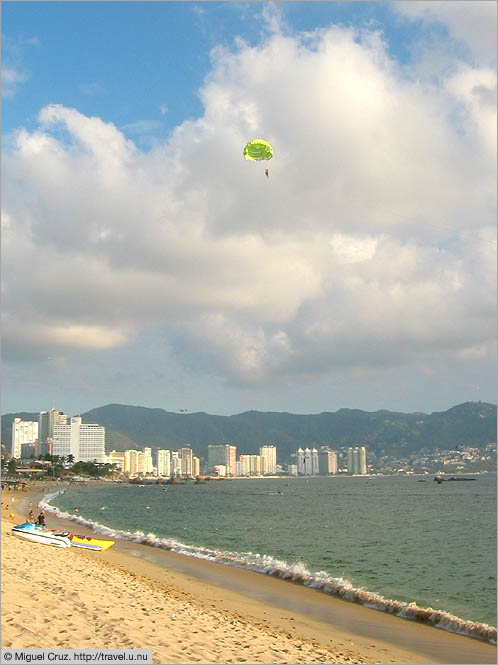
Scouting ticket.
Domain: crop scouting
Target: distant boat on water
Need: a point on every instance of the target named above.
(440, 480)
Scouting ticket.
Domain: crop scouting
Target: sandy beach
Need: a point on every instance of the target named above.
(127, 598)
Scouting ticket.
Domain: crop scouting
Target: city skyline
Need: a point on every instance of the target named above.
(145, 261)
(59, 435)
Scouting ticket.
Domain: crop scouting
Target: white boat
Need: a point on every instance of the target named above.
(38, 534)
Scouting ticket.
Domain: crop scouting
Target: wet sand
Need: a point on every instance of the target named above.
(210, 613)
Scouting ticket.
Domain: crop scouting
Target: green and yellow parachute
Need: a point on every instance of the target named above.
(258, 149)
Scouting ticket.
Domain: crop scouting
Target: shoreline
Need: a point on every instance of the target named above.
(346, 630)
(335, 588)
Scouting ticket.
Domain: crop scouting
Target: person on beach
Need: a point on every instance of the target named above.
(31, 517)
(41, 519)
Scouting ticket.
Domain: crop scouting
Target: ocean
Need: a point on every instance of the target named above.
(401, 544)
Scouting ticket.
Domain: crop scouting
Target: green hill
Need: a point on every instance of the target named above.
(383, 432)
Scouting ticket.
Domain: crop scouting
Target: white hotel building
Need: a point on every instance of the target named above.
(164, 463)
(268, 456)
(23, 432)
(84, 441)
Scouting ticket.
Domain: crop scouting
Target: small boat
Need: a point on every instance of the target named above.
(90, 543)
(86, 542)
(38, 534)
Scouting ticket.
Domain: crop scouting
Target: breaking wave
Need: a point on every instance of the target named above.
(298, 573)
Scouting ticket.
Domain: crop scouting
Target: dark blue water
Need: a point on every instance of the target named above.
(402, 539)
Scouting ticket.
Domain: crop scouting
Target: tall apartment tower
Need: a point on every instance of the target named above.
(46, 423)
(268, 454)
(84, 441)
(232, 460)
(176, 464)
(327, 461)
(357, 460)
(23, 432)
(350, 460)
(308, 462)
(244, 465)
(250, 465)
(131, 462)
(315, 468)
(186, 462)
(300, 461)
(363, 460)
(147, 460)
(223, 454)
(164, 463)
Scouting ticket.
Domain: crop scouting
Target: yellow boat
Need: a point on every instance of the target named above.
(86, 542)
(90, 543)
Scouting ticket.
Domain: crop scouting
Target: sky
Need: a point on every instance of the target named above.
(146, 262)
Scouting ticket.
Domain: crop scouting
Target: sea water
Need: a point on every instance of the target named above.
(401, 544)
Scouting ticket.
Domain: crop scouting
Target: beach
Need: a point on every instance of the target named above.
(134, 596)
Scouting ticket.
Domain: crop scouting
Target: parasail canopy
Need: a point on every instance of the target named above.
(258, 149)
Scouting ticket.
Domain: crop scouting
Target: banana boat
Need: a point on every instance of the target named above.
(86, 542)
(89, 543)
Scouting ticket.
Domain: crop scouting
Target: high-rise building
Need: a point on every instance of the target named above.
(250, 465)
(315, 467)
(164, 463)
(131, 462)
(308, 462)
(300, 462)
(357, 460)
(138, 462)
(232, 460)
(147, 464)
(186, 461)
(196, 466)
(245, 467)
(268, 456)
(327, 461)
(46, 422)
(350, 460)
(224, 454)
(23, 431)
(363, 460)
(176, 464)
(84, 441)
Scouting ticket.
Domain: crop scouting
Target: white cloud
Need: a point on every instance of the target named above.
(14, 72)
(11, 79)
(472, 22)
(371, 246)
(142, 127)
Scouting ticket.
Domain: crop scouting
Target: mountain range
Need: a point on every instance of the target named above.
(383, 432)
